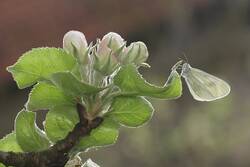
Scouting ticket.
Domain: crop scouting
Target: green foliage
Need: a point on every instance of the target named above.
(60, 121)
(28, 135)
(130, 81)
(131, 111)
(39, 64)
(46, 96)
(106, 134)
(67, 82)
(116, 93)
(9, 143)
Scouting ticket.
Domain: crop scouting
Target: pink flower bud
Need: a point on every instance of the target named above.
(106, 54)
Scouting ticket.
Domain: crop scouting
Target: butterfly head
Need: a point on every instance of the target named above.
(185, 69)
(177, 65)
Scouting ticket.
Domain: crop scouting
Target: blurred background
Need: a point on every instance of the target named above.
(214, 35)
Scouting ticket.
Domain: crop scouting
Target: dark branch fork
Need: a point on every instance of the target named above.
(56, 155)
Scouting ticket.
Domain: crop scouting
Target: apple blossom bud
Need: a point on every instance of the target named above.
(75, 43)
(106, 60)
(113, 40)
(136, 53)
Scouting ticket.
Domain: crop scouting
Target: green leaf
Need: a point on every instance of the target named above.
(28, 135)
(131, 82)
(39, 64)
(67, 82)
(131, 111)
(46, 96)
(9, 143)
(106, 134)
(60, 121)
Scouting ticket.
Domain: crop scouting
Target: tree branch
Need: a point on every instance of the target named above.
(56, 155)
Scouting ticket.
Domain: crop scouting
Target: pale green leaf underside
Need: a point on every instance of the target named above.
(47, 96)
(9, 143)
(106, 134)
(60, 121)
(28, 135)
(131, 111)
(90, 163)
(131, 82)
(69, 84)
(39, 64)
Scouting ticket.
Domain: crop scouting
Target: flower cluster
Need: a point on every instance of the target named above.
(108, 54)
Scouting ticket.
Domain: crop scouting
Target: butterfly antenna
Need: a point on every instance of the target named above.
(185, 56)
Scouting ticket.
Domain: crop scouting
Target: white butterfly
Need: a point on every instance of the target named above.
(203, 86)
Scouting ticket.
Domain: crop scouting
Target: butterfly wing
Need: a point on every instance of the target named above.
(204, 86)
